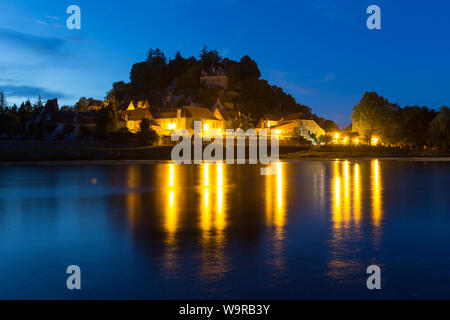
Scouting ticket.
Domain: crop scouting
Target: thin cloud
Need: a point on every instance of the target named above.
(31, 91)
(53, 18)
(37, 44)
(326, 78)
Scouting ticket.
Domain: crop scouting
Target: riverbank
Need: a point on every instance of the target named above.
(359, 152)
(42, 151)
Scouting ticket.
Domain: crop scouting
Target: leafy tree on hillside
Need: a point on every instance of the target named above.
(440, 129)
(82, 105)
(106, 120)
(156, 56)
(146, 135)
(375, 115)
(209, 58)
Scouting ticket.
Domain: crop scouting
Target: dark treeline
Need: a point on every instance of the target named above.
(13, 118)
(249, 94)
(410, 127)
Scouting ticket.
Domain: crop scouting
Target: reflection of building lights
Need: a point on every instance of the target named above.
(171, 176)
(219, 174)
(277, 131)
(206, 174)
(279, 184)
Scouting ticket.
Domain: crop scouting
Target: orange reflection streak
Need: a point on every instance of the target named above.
(275, 214)
(336, 192)
(214, 261)
(347, 216)
(132, 196)
(205, 212)
(220, 215)
(376, 193)
(279, 217)
(171, 209)
(357, 196)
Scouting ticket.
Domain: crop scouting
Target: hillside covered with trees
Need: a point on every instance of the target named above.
(158, 78)
(410, 127)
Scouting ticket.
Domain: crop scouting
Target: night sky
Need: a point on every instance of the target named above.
(320, 51)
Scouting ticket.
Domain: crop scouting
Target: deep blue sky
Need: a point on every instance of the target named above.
(320, 51)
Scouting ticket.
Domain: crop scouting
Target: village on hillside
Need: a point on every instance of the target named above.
(163, 96)
(60, 124)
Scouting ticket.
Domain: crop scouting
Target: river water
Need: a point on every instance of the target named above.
(165, 231)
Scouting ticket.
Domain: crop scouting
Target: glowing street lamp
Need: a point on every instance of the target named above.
(374, 141)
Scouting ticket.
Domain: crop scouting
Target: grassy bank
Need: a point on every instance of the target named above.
(50, 151)
(348, 152)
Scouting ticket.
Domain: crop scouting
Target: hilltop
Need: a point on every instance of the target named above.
(200, 81)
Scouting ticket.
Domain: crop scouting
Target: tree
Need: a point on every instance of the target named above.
(3, 102)
(375, 115)
(414, 126)
(106, 120)
(156, 56)
(244, 122)
(26, 107)
(82, 105)
(119, 93)
(440, 129)
(9, 123)
(146, 135)
(209, 58)
(39, 103)
(248, 68)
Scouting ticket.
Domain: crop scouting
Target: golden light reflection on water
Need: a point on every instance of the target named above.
(171, 218)
(347, 213)
(132, 196)
(213, 217)
(376, 196)
(275, 214)
(198, 197)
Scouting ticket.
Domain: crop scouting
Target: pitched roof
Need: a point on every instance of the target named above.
(228, 114)
(166, 115)
(197, 112)
(137, 114)
(284, 124)
(294, 116)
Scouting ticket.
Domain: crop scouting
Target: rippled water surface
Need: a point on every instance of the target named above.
(160, 230)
